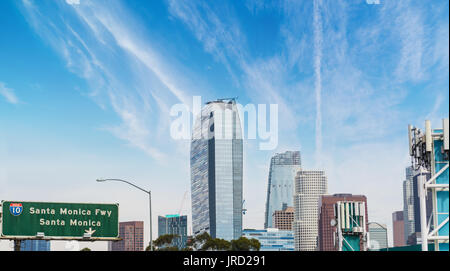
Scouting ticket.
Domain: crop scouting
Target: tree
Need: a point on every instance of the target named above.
(244, 244)
(255, 244)
(216, 244)
(164, 242)
(148, 248)
(199, 241)
(205, 242)
(85, 249)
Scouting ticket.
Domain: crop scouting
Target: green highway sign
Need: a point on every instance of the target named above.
(22, 219)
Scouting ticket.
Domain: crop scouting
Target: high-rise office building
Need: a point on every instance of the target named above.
(35, 245)
(272, 239)
(408, 203)
(283, 219)
(283, 168)
(398, 226)
(132, 234)
(309, 187)
(174, 224)
(216, 171)
(415, 238)
(378, 236)
(327, 240)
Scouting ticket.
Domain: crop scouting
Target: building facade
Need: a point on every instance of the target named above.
(283, 168)
(327, 240)
(398, 226)
(309, 187)
(132, 234)
(408, 203)
(216, 171)
(283, 219)
(272, 239)
(174, 224)
(34, 245)
(378, 236)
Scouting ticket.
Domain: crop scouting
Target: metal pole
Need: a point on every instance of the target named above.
(150, 205)
(150, 202)
(387, 241)
(423, 209)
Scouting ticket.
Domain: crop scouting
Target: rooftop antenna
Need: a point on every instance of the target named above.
(430, 154)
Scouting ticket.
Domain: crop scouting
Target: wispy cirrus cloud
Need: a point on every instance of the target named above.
(73, 2)
(219, 30)
(99, 43)
(318, 40)
(8, 94)
(346, 71)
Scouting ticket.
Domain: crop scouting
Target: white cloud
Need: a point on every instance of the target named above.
(73, 2)
(318, 40)
(139, 85)
(8, 94)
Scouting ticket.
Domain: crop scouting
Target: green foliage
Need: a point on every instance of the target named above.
(168, 248)
(85, 249)
(255, 244)
(164, 242)
(244, 244)
(204, 242)
(216, 244)
(199, 241)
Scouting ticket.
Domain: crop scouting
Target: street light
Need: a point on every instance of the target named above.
(381, 226)
(149, 197)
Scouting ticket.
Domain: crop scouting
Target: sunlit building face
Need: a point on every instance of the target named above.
(216, 171)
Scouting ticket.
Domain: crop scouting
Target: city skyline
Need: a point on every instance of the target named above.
(86, 89)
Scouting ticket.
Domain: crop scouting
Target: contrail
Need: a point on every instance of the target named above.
(318, 40)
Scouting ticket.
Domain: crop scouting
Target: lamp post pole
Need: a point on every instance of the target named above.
(149, 198)
(150, 207)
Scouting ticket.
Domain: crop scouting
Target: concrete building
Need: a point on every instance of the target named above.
(280, 187)
(132, 234)
(327, 240)
(174, 224)
(309, 187)
(398, 226)
(283, 219)
(272, 239)
(378, 236)
(216, 160)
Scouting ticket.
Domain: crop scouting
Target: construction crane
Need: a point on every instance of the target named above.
(244, 211)
(182, 202)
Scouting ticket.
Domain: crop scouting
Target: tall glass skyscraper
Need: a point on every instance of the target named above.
(408, 203)
(216, 171)
(174, 224)
(280, 188)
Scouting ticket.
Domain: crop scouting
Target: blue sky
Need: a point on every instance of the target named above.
(86, 88)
